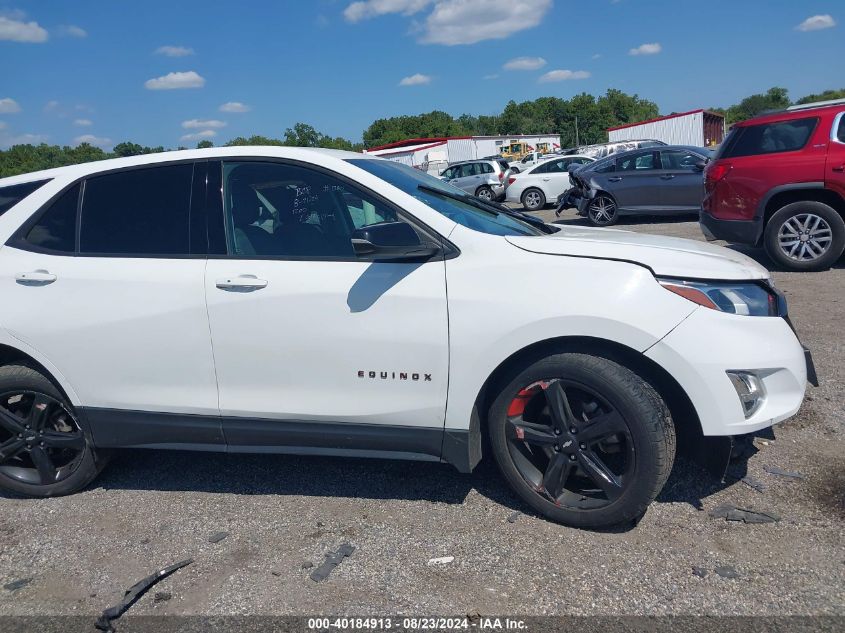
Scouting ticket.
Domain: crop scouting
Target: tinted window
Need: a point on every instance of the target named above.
(138, 212)
(635, 162)
(768, 138)
(276, 210)
(56, 228)
(10, 196)
(840, 133)
(678, 160)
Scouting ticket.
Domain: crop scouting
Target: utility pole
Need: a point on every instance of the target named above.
(577, 142)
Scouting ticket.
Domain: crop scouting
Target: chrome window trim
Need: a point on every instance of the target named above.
(837, 121)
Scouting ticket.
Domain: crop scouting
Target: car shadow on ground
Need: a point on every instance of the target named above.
(627, 220)
(759, 255)
(308, 476)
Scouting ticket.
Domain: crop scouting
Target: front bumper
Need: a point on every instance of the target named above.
(706, 345)
(735, 231)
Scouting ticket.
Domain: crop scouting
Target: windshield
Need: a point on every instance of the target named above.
(466, 214)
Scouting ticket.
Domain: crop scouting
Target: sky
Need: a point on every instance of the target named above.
(176, 72)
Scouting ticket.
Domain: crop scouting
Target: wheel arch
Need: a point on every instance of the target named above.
(13, 355)
(787, 194)
(684, 416)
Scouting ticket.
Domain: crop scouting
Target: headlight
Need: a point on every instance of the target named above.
(747, 298)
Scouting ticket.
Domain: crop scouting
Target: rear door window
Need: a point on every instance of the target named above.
(769, 138)
(11, 195)
(636, 162)
(142, 212)
(55, 230)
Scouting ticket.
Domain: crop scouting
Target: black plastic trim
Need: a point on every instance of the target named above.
(735, 231)
(771, 193)
(119, 428)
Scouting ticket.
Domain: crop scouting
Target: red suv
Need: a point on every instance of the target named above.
(779, 181)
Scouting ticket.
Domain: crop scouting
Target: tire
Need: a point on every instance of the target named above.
(638, 456)
(602, 211)
(484, 192)
(58, 458)
(514, 170)
(533, 199)
(819, 233)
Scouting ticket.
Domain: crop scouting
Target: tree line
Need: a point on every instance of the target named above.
(583, 119)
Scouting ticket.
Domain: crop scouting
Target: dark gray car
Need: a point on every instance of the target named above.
(654, 181)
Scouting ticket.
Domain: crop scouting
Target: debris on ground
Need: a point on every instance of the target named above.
(780, 472)
(217, 537)
(134, 593)
(17, 584)
(333, 559)
(754, 483)
(307, 565)
(699, 571)
(727, 571)
(443, 560)
(732, 513)
(512, 518)
(162, 596)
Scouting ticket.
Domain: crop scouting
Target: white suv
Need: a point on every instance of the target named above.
(296, 300)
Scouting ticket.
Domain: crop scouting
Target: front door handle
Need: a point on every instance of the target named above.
(667, 176)
(241, 283)
(615, 179)
(839, 169)
(35, 278)
(546, 179)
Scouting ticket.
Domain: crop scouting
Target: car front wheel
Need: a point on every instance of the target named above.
(602, 211)
(44, 451)
(805, 236)
(581, 439)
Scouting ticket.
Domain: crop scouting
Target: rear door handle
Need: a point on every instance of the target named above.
(840, 169)
(35, 278)
(546, 179)
(615, 179)
(241, 283)
(667, 176)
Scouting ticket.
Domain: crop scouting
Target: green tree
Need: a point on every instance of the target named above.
(827, 95)
(774, 99)
(205, 144)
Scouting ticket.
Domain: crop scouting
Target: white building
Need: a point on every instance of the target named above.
(434, 154)
(701, 128)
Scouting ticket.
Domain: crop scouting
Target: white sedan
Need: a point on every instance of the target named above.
(543, 183)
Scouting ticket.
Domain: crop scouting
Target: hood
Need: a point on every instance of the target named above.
(669, 256)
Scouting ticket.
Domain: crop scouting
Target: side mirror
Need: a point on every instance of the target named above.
(396, 241)
(700, 165)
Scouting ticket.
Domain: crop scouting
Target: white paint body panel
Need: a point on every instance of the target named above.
(137, 333)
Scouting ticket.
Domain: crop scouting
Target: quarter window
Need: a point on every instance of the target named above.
(56, 228)
(676, 160)
(10, 196)
(288, 211)
(138, 212)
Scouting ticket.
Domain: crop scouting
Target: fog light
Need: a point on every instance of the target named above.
(750, 390)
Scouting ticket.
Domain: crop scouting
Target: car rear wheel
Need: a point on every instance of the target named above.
(602, 210)
(533, 200)
(581, 439)
(484, 192)
(44, 450)
(805, 236)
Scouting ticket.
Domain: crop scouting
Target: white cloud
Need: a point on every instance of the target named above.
(51, 106)
(2, 125)
(525, 63)
(493, 76)
(365, 9)
(597, 56)
(198, 136)
(9, 106)
(83, 122)
(174, 51)
(71, 30)
(563, 75)
(97, 141)
(14, 29)
(455, 22)
(415, 80)
(817, 23)
(646, 49)
(234, 106)
(197, 124)
(175, 81)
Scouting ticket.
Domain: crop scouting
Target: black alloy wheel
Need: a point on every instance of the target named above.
(570, 444)
(41, 442)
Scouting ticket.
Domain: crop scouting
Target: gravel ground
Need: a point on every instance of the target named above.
(152, 509)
